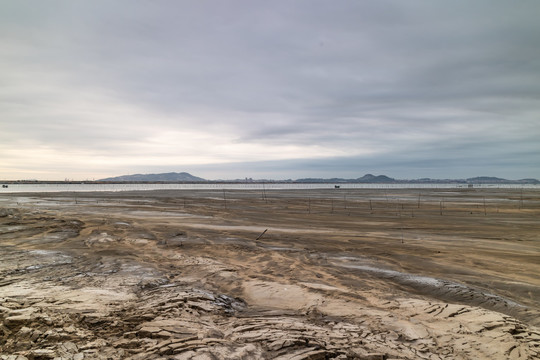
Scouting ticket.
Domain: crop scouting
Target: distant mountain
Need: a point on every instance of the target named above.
(321, 180)
(366, 179)
(486, 179)
(496, 180)
(165, 177)
(383, 179)
(369, 178)
(529, 181)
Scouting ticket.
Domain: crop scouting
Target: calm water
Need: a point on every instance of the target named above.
(43, 188)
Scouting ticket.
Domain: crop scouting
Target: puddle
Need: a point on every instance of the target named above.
(255, 229)
(15, 261)
(278, 248)
(160, 213)
(403, 278)
(439, 288)
(12, 228)
(56, 257)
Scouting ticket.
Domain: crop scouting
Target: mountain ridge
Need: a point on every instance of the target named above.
(165, 177)
(366, 179)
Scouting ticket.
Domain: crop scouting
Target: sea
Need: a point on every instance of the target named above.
(88, 187)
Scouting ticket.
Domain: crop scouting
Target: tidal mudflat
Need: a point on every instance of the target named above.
(280, 274)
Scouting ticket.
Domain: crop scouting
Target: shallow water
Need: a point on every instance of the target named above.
(440, 288)
(82, 187)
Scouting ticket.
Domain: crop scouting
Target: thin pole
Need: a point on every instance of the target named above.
(260, 236)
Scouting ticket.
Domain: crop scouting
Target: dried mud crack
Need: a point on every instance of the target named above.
(177, 275)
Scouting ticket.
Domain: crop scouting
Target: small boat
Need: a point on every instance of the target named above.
(4, 186)
(336, 186)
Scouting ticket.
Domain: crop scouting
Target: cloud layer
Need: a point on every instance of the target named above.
(274, 89)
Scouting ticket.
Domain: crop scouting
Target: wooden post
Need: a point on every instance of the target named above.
(260, 236)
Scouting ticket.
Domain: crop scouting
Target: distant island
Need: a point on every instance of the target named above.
(366, 179)
(184, 177)
(383, 179)
(164, 177)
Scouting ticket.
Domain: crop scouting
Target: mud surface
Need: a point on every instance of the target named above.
(338, 274)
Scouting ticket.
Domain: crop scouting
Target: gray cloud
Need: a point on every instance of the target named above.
(307, 87)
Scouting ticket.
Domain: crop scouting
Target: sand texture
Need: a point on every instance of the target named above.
(338, 274)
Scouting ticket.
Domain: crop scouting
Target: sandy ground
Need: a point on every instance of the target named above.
(338, 274)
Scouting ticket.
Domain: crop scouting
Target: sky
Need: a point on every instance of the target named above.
(269, 89)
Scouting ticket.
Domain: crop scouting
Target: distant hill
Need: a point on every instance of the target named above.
(496, 180)
(366, 179)
(369, 178)
(486, 179)
(383, 179)
(165, 177)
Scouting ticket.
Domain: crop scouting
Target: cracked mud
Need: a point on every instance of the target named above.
(338, 274)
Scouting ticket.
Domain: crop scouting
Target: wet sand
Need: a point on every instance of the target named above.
(338, 274)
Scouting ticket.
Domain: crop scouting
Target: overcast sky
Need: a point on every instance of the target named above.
(269, 89)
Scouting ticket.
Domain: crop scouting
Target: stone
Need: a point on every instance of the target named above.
(16, 321)
(4, 310)
(24, 332)
(70, 329)
(35, 335)
(43, 354)
(148, 331)
(69, 347)
(213, 333)
(374, 357)
(127, 343)
(201, 306)
(99, 343)
(163, 334)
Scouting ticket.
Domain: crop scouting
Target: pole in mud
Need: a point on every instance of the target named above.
(260, 236)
